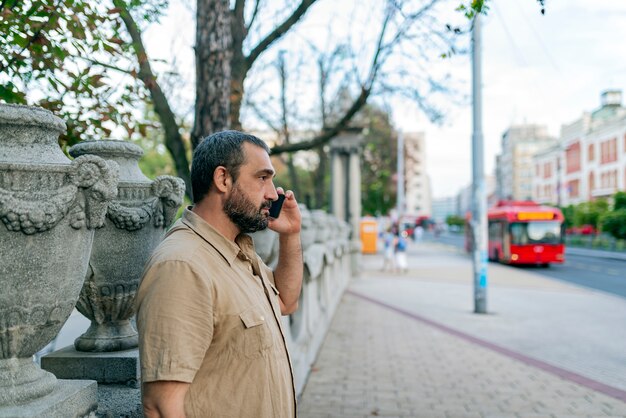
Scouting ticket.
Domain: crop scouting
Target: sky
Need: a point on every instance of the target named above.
(544, 69)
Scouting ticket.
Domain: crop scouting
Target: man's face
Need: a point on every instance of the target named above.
(252, 194)
(244, 213)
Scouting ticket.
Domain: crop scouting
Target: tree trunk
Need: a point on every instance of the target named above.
(238, 63)
(213, 71)
(239, 72)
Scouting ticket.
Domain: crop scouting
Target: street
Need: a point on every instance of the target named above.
(597, 273)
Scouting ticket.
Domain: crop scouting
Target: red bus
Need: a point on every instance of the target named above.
(523, 232)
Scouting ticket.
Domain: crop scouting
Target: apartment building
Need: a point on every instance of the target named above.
(417, 183)
(444, 207)
(589, 161)
(515, 167)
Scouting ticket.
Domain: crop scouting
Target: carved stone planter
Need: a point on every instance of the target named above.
(135, 223)
(49, 208)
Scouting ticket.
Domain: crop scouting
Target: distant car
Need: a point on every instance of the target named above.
(581, 230)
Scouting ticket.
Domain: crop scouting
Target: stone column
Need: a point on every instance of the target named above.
(346, 183)
(354, 192)
(338, 183)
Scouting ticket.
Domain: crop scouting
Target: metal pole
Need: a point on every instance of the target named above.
(400, 195)
(479, 198)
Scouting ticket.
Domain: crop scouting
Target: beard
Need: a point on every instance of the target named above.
(243, 213)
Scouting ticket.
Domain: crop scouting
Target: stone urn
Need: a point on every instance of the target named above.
(135, 223)
(49, 207)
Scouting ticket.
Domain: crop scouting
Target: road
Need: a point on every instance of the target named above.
(597, 273)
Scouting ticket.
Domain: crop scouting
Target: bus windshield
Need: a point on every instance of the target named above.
(535, 233)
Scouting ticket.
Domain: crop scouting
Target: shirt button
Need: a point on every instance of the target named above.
(262, 318)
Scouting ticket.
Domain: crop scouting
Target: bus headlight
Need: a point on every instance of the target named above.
(559, 256)
(514, 257)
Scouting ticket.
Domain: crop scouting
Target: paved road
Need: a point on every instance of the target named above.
(603, 274)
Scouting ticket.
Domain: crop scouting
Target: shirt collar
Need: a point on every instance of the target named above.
(227, 248)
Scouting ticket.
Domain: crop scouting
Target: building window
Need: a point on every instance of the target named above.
(572, 158)
(547, 170)
(572, 188)
(590, 152)
(608, 151)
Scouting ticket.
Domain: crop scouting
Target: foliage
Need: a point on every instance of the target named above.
(378, 163)
(568, 213)
(455, 220)
(619, 200)
(589, 213)
(284, 180)
(70, 57)
(614, 222)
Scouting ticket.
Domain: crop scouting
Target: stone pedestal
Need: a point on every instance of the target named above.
(70, 398)
(119, 401)
(116, 367)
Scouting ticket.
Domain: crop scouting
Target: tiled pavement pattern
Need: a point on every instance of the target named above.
(377, 361)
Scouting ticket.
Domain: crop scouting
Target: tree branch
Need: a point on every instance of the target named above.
(109, 66)
(278, 32)
(254, 15)
(173, 140)
(360, 101)
(327, 134)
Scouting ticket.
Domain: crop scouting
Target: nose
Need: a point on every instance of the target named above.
(271, 193)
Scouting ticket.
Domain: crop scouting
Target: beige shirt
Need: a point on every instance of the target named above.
(208, 314)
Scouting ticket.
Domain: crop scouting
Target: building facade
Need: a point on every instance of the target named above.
(590, 159)
(418, 200)
(515, 167)
(444, 207)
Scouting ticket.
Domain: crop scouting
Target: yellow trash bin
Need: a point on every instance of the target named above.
(369, 236)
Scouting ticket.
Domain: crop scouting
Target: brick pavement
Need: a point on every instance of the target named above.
(379, 361)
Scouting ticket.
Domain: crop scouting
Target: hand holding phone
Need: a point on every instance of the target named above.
(277, 206)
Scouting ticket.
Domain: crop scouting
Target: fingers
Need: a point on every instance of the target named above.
(288, 194)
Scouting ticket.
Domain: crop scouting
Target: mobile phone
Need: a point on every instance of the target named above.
(277, 206)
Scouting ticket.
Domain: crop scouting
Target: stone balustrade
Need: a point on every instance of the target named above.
(327, 269)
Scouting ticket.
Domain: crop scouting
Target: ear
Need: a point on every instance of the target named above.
(222, 179)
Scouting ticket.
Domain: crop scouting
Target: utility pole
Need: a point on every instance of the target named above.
(400, 193)
(479, 197)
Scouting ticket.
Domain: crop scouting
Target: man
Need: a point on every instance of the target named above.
(208, 310)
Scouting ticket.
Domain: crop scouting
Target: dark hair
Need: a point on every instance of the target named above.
(219, 149)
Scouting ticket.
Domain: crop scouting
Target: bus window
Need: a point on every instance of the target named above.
(544, 232)
(535, 233)
(518, 234)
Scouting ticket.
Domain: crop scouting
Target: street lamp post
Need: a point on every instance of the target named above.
(479, 197)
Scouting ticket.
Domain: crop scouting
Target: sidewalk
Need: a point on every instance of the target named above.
(410, 346)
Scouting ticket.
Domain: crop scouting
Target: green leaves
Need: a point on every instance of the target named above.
(73, 58)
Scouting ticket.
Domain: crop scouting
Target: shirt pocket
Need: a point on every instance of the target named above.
(257, 337)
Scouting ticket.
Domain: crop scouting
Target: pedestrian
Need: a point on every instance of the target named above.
(418, 233)
(389, 261)
(211, 341)
(400, 252)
